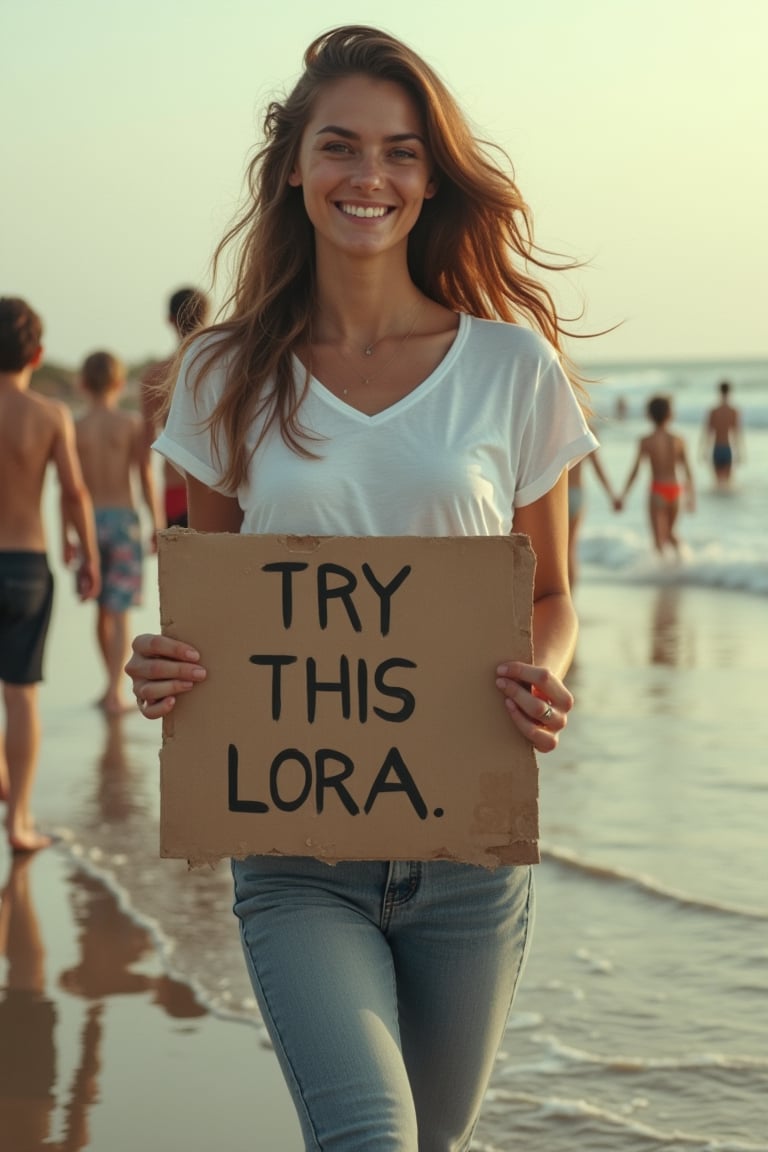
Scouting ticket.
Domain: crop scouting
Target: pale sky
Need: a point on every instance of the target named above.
(637, 130)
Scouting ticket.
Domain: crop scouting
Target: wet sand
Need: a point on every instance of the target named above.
(100, 1049)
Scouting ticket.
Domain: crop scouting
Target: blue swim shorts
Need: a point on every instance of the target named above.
(722, 456)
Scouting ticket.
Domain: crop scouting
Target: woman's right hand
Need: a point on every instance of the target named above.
(160, 669)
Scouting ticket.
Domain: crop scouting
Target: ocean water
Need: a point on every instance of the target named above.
(726, 544)
(641, 1021)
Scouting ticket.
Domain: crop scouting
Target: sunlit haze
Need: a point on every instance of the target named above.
(636, 130)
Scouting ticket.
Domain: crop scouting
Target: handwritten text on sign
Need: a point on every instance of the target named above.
(332, 768)
(347, 678)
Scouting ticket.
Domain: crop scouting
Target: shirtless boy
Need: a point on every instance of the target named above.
(34, 432)
(667, 456)
(722, 436)
(187, 310)
(110, 443)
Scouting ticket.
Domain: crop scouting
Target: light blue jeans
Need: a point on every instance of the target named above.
(386, 989)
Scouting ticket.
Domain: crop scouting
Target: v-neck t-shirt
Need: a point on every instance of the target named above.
(491, 429)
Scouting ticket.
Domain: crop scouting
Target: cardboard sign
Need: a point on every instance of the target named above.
(350, 710)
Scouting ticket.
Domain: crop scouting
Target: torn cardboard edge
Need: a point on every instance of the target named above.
(350, 709)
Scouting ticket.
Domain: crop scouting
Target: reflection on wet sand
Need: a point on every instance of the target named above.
(27, 1021)
(120, 787)
(670, 642)
(110, 944)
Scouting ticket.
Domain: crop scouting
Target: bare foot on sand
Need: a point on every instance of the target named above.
(117, 706)
(30, 841)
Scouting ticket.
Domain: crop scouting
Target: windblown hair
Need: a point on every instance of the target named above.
(101, 373)
(21, 334)
(471, 249)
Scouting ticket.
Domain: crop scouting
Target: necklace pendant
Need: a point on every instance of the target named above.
(368, 350)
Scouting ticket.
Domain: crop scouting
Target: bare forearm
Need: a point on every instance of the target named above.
(630, 481)
(149, 493)
(555, 629)
(77, 511)
(602, 476)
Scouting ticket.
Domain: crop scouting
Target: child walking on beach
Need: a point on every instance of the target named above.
(110, 444)
(389, 366)
(34, 432)
(671, 475)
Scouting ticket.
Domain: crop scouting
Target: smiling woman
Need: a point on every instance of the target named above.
(389, 366)
(364, 170)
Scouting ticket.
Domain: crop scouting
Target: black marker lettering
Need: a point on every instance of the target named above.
(404, 783)
(325, 780)
(385, 592)
(407, 698)
(289, 754)
(235, 803)
(276, 663)
(362, 691)
(342, 686)
(287, 567)
(341, 592)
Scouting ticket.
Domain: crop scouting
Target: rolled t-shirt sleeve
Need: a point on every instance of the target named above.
(186, 438)
(555, 435)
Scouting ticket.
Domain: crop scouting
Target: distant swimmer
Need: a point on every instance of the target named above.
(666, 453)
(722, 437)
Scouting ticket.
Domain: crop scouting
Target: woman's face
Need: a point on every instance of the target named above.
(363, 166)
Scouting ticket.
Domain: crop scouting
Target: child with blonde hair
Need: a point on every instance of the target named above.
(111, 449)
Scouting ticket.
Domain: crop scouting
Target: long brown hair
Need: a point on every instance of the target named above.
(471, 249)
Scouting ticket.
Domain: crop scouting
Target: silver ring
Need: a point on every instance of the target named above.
(546, 715)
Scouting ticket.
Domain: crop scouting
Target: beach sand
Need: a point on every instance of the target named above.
(100, 1048)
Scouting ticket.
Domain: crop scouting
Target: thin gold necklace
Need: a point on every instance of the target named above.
(370, 349)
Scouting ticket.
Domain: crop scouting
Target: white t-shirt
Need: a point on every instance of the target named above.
(491, 429)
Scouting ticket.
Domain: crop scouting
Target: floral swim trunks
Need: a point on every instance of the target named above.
(118, 532)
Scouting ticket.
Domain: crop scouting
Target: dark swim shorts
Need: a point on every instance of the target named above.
(722, 456)
(26, 600)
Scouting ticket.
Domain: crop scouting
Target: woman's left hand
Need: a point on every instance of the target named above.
(537, 701)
